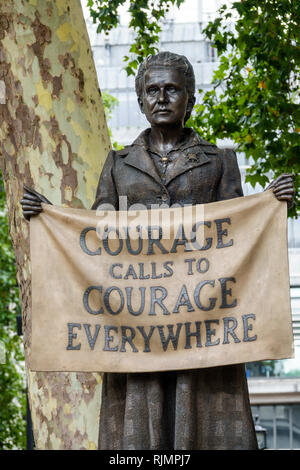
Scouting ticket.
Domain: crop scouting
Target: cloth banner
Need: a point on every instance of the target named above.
(163, 289)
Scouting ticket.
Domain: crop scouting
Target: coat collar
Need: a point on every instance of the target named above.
(191, 139)
(191, 153)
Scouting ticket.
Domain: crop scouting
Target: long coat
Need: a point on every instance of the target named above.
(182, 410)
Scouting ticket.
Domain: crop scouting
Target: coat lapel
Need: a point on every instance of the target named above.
(186, 161)
(139, 158)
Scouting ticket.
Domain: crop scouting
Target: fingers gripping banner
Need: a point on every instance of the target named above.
(166, 289)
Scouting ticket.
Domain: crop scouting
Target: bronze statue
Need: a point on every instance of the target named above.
(168, 163)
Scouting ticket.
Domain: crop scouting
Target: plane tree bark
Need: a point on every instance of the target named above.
(54, 138)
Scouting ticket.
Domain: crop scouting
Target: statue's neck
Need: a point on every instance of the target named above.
(164, 139)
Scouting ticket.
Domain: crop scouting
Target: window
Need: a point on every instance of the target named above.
(282, 423)
(294, 233)
(211, 54)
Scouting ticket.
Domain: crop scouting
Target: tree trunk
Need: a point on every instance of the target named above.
(54, 138)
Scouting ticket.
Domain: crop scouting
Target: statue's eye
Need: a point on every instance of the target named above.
(171, 89)
(152, 90)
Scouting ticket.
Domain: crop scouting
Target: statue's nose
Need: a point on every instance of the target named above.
(162, 97)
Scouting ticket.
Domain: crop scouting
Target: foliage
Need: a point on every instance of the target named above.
(109, 103)
(271, 368)
(12, 383)
(145, 18)
(293, 373)
(254, 96)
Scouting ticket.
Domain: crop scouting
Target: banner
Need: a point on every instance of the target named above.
(163, 289)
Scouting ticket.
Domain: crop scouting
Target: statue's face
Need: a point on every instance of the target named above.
(165, 99)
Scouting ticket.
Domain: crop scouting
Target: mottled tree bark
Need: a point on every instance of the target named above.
(54, 138)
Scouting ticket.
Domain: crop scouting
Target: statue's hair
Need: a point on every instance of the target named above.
(167, 59)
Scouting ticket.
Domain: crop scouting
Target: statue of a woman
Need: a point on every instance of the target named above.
(168, 163)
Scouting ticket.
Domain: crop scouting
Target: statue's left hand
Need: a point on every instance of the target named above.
(283, 188)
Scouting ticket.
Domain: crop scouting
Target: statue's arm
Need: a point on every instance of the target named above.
(230, 185)
(106, 190)
(283, 188)
(230, 182)
(32, 202)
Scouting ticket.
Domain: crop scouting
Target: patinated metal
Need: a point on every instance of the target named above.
(199, 409)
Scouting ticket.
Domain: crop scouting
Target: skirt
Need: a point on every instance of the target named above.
(179, 410)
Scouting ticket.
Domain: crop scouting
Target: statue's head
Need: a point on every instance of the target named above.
(166, 72)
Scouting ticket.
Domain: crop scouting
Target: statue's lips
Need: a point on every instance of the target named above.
(162, 111)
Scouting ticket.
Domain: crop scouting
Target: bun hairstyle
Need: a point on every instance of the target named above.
(175, 61)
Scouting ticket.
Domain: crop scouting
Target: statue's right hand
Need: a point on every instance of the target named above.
(32, 202)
